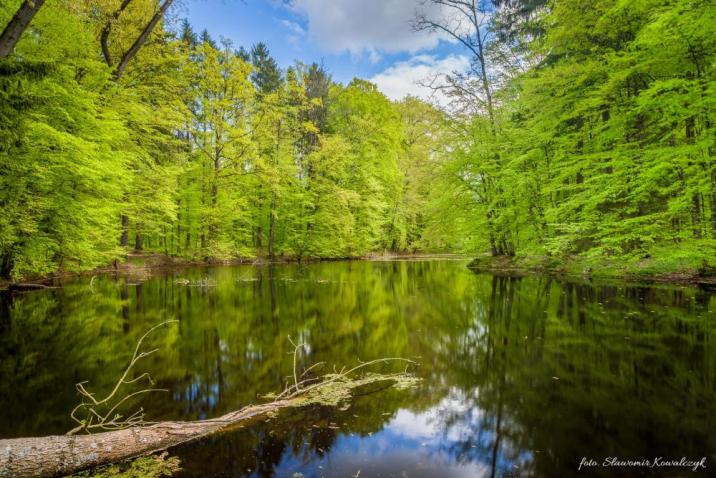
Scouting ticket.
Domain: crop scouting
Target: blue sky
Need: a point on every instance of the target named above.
(370, 39)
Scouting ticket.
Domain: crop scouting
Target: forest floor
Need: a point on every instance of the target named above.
(615, 269)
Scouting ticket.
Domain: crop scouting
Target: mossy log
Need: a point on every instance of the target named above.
(66, 454)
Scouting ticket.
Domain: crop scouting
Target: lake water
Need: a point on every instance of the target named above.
(521, 376)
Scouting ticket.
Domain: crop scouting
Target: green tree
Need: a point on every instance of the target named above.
(368, 122)
(604, 151)
(221, 151)
(266, 75)
(61, 150)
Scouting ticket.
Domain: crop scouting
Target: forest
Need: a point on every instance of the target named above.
(456, 282)
(583, 135)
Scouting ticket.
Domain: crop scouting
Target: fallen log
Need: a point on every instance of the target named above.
(66, 454)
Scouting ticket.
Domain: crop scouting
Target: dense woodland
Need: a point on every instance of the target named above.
(584, 132)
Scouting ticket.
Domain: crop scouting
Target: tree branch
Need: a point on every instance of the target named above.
(104, 36)
(141, 39)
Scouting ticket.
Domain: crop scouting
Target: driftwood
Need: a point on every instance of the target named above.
(66, 454)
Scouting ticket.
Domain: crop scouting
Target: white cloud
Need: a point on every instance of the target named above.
(374, 56)
(405, 77)
(361, 26)
(293, 27)
(295, 32)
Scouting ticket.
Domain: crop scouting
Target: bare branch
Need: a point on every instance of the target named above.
(104, 422)
(423, 23)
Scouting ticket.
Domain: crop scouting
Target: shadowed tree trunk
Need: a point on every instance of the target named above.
(124, 239)
(18, 24)
(138, 242)
(272, 204)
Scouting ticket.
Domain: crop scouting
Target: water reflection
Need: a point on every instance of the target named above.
(522, 376)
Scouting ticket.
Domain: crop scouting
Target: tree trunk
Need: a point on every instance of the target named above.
(11, 35)
(124, 239)
(272, 204)
(138, 242)
(104, 36)
(141, 39)
(484, 80)
(713, 202)
(6, 264)
(213, 224)
(66, 454)
(695, 211)
(272, 226)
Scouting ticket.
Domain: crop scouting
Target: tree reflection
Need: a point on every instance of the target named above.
(521, 375)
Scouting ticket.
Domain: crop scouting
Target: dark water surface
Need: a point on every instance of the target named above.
(521, 376)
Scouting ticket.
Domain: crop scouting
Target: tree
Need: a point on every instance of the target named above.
(368, 122)
(318, 86)
(266, 75)
(17, 24)
(331, 200)
(466, 22)
(61, 153)
(472, 92)
(187, 34)
(220, 132)
(604, 140)
(424, 152)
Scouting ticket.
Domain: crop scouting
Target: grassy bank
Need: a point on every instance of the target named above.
(666, 269)
(671, 268)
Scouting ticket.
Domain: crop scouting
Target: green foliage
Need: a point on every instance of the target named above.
(598, 149)
(605, 149)
(372, 128)
(62, 155)
(199, 150)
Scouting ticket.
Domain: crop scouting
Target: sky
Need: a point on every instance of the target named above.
(370, 39)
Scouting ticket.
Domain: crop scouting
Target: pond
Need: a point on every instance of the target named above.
(520, 376)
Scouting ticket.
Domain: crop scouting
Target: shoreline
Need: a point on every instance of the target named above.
(577, 270)
(142, 263)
